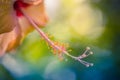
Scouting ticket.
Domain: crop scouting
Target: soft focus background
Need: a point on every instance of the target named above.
(79, 23)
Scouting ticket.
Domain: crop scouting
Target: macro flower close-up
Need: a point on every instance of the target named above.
(59, 39)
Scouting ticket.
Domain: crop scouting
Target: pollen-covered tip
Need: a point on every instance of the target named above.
(91, 52)
(87, 48)
(90, 64)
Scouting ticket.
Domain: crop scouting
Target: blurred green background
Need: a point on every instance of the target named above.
(80, 23)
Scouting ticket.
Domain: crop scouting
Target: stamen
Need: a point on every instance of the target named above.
(58, 48)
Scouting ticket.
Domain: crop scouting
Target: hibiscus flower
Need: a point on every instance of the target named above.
(20, 17)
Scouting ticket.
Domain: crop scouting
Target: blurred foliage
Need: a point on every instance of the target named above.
(79, 23)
